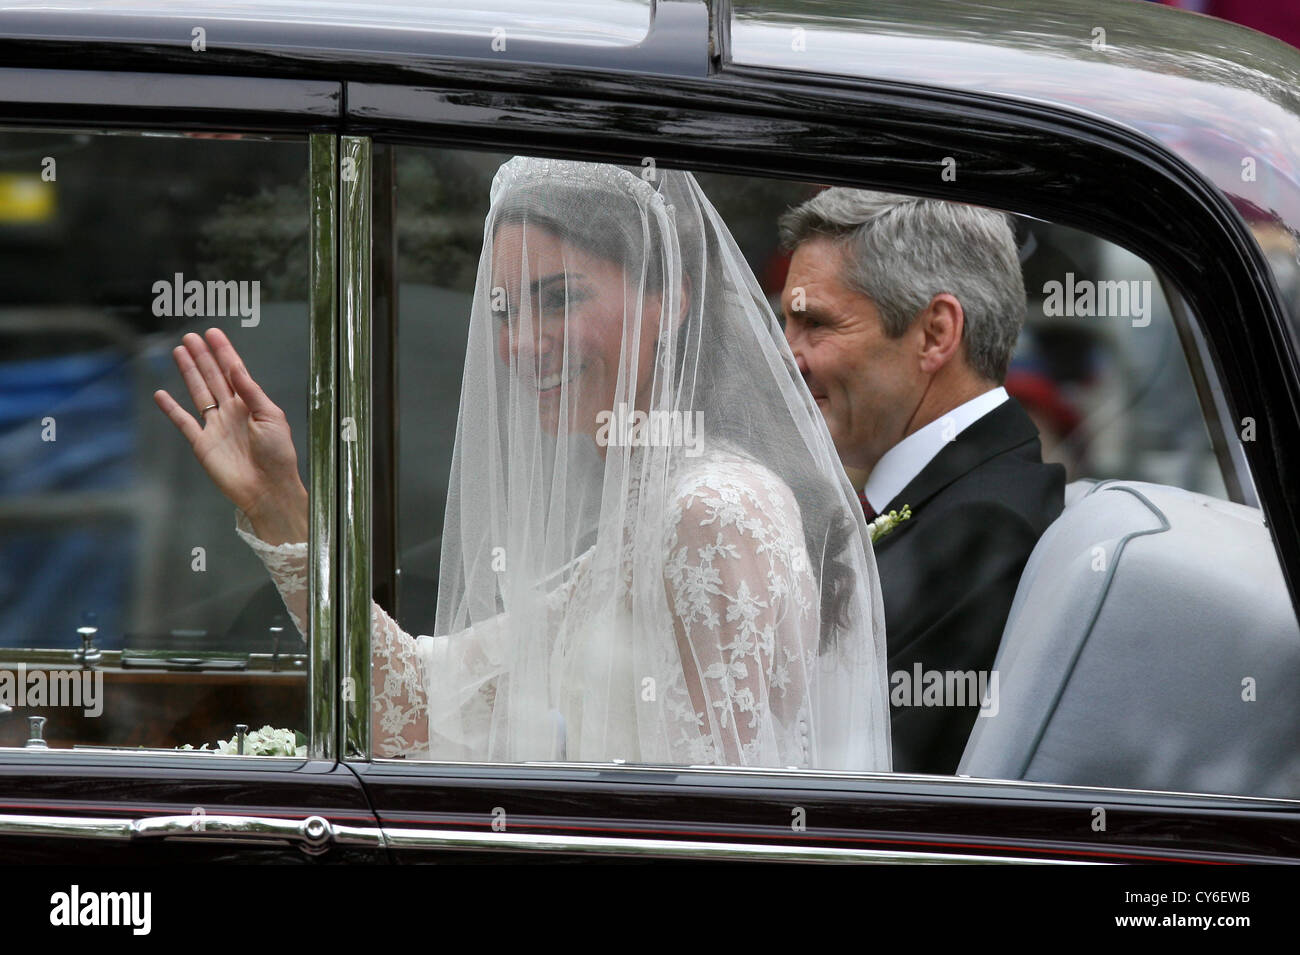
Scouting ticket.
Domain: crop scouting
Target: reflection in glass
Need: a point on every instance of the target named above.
(115, 247)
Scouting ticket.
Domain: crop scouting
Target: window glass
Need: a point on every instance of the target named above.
(1089, 601)
(116, 247)
(1105, 380)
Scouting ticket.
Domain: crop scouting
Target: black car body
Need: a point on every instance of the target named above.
(1120, 143)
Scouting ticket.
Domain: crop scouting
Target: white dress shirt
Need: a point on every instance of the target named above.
(905, 460)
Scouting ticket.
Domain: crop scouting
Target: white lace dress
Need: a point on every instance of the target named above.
(725, 683)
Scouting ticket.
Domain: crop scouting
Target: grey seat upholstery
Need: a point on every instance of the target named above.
(1076, 490)
(1142, 616)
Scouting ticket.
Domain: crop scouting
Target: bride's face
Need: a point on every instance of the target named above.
(567, 313)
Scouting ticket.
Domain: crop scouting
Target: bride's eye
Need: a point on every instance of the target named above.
(555, 299)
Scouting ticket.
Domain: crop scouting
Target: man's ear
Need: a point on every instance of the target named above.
(941, 324)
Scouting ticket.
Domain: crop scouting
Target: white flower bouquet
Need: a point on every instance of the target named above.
(267, 741)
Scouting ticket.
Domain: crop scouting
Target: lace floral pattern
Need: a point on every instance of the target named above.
(744, 598)
(733, 678)
(287, 565)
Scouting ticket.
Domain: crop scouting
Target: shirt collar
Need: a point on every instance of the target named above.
(905, 460)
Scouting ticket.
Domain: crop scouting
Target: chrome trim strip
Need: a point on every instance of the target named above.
(321, 447)
(367, 836)
(313, 832)
(811, 777)
(354, 475)
(402, 838)
(83, 827)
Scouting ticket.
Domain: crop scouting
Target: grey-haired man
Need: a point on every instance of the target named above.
(902, 314)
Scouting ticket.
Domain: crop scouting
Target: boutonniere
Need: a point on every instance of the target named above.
(885, 523)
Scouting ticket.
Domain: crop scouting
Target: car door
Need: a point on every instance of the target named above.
(761, 123)
(139, 633)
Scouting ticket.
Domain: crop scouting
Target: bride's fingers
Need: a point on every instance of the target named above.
(237, 374)
(212, 373)
(179, 416)
(200, 394)
(224, 352)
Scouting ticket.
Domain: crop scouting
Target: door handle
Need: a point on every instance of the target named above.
(313, 835)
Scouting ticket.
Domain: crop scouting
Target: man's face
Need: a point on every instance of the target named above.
(867, 385)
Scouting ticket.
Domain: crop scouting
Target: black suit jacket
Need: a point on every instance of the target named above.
(949, 573)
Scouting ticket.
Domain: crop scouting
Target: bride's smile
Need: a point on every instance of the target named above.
(551, 382)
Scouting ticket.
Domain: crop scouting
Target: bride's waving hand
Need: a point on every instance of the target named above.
(243, 441)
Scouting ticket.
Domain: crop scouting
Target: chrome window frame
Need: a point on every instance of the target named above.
(355, 465)
(322, 449)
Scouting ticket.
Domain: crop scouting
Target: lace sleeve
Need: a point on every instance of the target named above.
(287, 565)
(746, 614)
(405, 672)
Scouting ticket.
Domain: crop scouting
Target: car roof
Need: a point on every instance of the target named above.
(1223, 97)
(580, 21)
(605, 34)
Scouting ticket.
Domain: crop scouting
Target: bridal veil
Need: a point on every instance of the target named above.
(650, 551)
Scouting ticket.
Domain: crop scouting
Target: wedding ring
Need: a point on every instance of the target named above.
(207, 409)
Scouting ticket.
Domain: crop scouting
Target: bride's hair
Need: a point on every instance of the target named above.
(618, 232)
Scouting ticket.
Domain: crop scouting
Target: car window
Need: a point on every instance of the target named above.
(116, 246)
(1145, 614)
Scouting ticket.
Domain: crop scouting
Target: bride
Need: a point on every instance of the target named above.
(650, 552)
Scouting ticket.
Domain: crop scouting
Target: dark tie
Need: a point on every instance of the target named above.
(867, 509)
